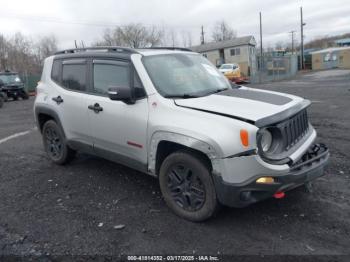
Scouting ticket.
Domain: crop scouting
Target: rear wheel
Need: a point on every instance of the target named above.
(55, 144)
(187, 186)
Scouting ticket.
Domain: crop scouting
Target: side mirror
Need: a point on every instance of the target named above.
(121, 94)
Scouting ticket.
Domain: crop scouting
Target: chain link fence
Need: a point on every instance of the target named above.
(30, 82)
(275, 68)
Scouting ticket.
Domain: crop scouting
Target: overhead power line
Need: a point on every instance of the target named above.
(82, 23)
(43, 19)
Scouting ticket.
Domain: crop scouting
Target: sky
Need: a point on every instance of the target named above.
(86, 20)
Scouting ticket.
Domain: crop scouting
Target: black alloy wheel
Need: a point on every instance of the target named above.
(186, 187)
(53, 143)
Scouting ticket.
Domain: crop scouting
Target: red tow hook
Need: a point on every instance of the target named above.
(279, 195)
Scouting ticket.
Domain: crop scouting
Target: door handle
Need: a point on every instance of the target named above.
(58, 100)
(96, 108)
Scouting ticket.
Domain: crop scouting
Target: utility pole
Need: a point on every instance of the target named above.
(302, 24)
(292, 32)
(261, 50)
(202, 36)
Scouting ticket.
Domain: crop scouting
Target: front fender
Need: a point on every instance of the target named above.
(181, 139)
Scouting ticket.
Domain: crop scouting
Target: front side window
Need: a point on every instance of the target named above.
(74, 76)
(184, 74)
(110, 75)
(139, 90)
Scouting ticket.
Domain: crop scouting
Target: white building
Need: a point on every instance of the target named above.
(240, 50)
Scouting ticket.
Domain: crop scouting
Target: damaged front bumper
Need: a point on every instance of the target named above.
(310, 166)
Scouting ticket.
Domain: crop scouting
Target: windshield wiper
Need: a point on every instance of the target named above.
(216, 91)
(181, 96)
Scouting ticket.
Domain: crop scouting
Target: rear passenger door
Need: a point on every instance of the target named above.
(70, 100)
(120, 129)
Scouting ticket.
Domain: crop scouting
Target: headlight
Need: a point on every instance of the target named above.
(266, 140)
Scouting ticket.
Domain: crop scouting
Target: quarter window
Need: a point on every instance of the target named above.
(74, 76)
(110, 75)
(55, 73)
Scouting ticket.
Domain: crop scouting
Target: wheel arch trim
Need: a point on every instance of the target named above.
(50, 112)
(180, 139)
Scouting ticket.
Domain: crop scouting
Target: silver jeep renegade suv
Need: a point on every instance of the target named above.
(170, 113)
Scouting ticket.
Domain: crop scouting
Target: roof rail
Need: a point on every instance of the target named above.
(97, 48)
(169, 48)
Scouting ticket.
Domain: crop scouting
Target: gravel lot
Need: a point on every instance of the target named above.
(74, 209)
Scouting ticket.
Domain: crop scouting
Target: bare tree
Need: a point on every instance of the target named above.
(173, 38)
(22, 54)
(279, 45)
(132, 35)
(45, 47)
(222, 31)
(20, 57)
(4, 46)
(186, 39)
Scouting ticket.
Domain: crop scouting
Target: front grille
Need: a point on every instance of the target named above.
(294, 129)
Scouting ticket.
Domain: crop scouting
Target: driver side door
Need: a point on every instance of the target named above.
(119, 129)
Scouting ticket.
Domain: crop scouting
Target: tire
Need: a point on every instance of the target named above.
(15, 98)
(4, 96)
(1, 101)
(187, 186)
(55, 144)
(25, 95)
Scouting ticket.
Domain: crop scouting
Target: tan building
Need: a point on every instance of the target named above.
(335, 57)
(240, 50)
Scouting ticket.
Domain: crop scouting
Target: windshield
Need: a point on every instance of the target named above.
(226, 67)
(10, 78)
(184, 74)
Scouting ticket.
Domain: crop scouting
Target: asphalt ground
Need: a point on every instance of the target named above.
(77, 209)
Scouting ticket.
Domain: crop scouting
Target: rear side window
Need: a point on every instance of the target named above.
(110, 75)
(74, 76)
(55, 73)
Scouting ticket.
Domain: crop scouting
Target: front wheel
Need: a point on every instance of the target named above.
(187, 186)
(25, 95)
(4, 95)
(55, 144)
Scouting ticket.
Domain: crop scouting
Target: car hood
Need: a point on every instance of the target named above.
(259, 107)
(13, 84)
